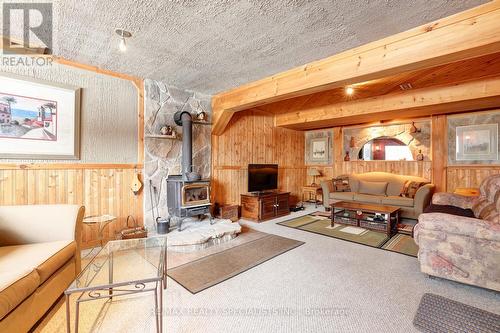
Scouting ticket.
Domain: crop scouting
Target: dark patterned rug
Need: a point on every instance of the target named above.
(438, 314)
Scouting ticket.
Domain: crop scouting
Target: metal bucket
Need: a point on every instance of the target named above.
(162, 225)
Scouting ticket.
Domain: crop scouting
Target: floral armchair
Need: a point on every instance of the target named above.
(461, 248)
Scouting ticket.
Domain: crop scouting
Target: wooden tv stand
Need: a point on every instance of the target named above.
(265, 206)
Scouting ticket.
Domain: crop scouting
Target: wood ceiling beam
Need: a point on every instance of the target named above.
(466, 96)
(20, 49)
(465, 35)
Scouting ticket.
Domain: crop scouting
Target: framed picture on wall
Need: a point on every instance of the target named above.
(38, 119)
(319, 149)
(477, 142)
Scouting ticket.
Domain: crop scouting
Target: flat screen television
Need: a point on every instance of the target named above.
(262, 177)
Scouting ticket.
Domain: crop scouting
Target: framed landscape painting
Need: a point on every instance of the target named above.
(38, 119)
(477, 142)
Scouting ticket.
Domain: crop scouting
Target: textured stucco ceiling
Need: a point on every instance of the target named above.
(213, 45)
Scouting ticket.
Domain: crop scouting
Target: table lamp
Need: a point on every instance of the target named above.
(314, 173)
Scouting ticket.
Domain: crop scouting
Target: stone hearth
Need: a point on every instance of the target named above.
(198, 235)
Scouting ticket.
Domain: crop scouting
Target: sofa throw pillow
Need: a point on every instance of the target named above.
(410, 188)
(478, 206)
(488, 212)
(485, 210)
(373, 188)
(341, 184)
(493, 217)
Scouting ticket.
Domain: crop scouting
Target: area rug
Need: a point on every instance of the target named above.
(319, 224)
(405, 226)
(438, 314)
(210, 270)
(401, 243)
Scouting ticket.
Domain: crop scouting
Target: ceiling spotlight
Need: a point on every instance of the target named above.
(405, 86)
(349, 90)
(122, 46)
(123, 35)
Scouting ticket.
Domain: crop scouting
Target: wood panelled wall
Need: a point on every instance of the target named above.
(101, 189)
(251, 137)
(468, 175)
(450, 177)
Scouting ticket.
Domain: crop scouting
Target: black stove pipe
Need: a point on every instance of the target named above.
(184, 119)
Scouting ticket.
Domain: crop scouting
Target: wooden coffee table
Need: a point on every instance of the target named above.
(374, 217)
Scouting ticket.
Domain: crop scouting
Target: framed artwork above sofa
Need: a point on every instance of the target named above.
(473, 138)
(477, 142)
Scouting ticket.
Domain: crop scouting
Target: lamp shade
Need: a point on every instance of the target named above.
(313, 172)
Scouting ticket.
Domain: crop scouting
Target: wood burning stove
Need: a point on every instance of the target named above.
(187, 197)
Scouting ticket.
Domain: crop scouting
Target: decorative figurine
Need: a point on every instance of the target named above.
(167, 130)
(346, 157)
(420, 156)
(201, 116)
(352, 142)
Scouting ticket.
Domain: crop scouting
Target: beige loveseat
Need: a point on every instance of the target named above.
(39, 258)
(364, 188)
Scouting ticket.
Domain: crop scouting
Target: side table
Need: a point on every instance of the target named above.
(102, 221)
(310, 193)
(468, 192)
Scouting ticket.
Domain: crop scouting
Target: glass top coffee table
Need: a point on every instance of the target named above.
(122, 267)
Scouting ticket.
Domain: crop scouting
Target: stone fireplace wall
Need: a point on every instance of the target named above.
(163, 156)
(415, 141)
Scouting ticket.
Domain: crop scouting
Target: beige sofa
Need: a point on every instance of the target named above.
(39, 258)
(410, 207)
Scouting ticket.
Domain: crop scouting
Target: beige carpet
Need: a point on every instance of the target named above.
(128, 313)
(326, 285)
(122, 314)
